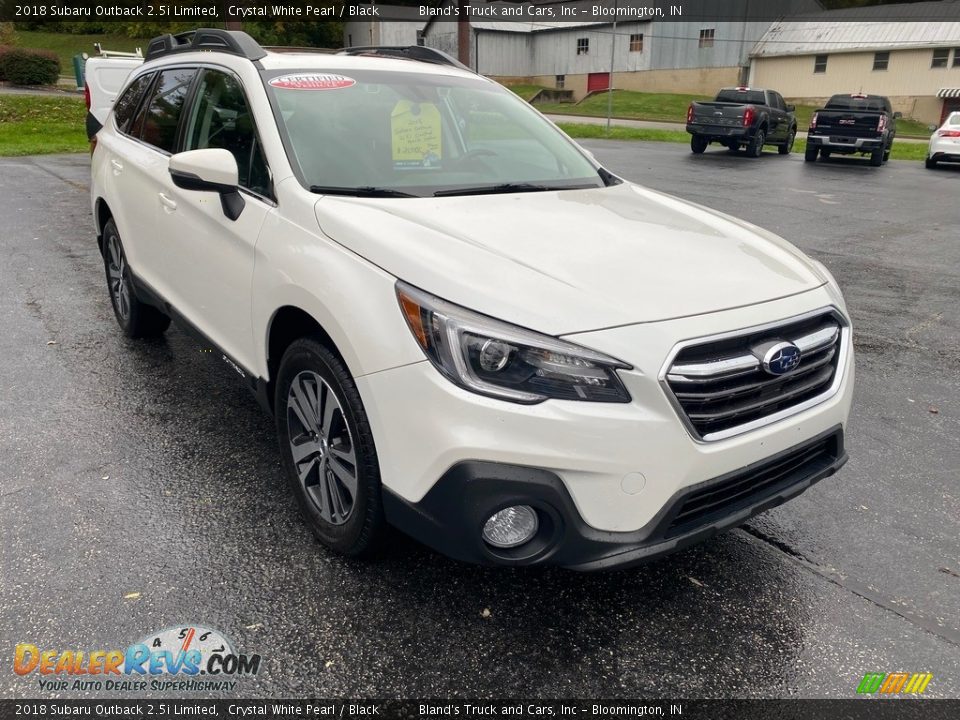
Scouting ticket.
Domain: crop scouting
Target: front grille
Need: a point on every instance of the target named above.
(722, 388)
(720, 498)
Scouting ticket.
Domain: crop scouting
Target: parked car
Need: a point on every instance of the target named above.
(104, 75)
(945, 142)
(742, 117)
(848, 124)
(463, 325)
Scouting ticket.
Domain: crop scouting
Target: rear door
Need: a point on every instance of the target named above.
(208, 256)
(123, 164)
(151, 139)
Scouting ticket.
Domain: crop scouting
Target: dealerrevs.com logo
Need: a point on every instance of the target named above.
(183, 659)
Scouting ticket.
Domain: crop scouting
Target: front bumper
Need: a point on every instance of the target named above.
(619, 464)
(451, 516)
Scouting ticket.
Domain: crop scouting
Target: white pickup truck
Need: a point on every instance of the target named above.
(104, 76)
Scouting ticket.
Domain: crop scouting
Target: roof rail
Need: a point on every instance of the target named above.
(409, 52)
(233, 42)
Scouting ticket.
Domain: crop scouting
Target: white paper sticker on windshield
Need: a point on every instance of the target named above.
(312, 81)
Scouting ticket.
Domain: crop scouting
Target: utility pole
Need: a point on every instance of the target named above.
(613, 59)
(463, 33)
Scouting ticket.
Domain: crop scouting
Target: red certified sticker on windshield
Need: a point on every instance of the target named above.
(312, 81)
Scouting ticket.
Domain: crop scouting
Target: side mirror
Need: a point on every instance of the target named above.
(210, 170)
(897, 115)
(791, 108)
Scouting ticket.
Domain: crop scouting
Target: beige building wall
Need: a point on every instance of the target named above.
(909, 82)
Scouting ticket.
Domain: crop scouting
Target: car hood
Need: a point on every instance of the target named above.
(572, 260)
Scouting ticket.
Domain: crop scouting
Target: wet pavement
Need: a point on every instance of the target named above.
(141, 487)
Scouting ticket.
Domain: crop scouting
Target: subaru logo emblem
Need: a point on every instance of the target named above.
(781, 358)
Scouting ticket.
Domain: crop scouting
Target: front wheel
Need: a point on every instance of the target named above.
(135, 318)
(810, 154)
(755, 148)
(327, 449)
(698, 144)
(788, 145)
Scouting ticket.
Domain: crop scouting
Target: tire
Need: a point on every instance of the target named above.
(788, 145)
(886, 153)
(336, 479)
(930, 163)
(810, 154)
(698, 144)
(876, 157)
(755, 148)
(136, 319)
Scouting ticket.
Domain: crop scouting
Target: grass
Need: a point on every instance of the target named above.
(667, 107)
(66, 46)
(527, 92)
(901, 151)
(31, 125)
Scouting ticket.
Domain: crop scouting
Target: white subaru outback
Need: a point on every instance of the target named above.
(463, 325)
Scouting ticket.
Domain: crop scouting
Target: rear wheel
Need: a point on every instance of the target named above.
(876, 157)
(698, 144)
(755, 148)
(886, 153)
(810, 154)
(788, 145)
(930, 163)
(136, 319)
(327, 449)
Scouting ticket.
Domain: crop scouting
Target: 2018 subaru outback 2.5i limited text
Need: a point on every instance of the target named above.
(463, 325)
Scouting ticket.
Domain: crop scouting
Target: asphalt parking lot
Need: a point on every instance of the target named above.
(141, 487)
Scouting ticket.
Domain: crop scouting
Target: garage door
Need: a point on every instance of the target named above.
(598, 81)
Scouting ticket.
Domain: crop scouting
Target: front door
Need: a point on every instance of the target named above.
(212, 256)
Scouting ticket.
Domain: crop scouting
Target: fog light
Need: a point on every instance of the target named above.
(511, 526)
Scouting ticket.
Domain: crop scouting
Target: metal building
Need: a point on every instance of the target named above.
(894, 51)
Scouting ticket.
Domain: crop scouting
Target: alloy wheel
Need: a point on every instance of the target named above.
(119, 277)
(322, 447)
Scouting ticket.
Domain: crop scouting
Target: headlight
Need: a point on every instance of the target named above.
(494, 358)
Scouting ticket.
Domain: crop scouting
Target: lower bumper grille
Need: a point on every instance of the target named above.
(729, 385)
(723, 497)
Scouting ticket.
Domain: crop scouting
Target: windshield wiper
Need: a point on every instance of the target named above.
(359, 191)
(508, 188)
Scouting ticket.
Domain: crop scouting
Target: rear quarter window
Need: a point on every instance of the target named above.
(128, 102)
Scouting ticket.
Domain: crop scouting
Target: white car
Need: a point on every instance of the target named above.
(464, 326)
(945, 142)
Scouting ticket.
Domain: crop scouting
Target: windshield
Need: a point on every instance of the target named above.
(398, 134)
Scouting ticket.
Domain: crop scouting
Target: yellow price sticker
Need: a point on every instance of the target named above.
(416, 135)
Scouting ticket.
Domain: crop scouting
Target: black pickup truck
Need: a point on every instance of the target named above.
(849, 124)
(742, 117)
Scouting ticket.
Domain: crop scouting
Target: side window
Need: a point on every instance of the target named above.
(127, 105)
(221, 118)
(161, 119)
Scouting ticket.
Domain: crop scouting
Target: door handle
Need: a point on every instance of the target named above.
(169, 204)
(117, 166)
